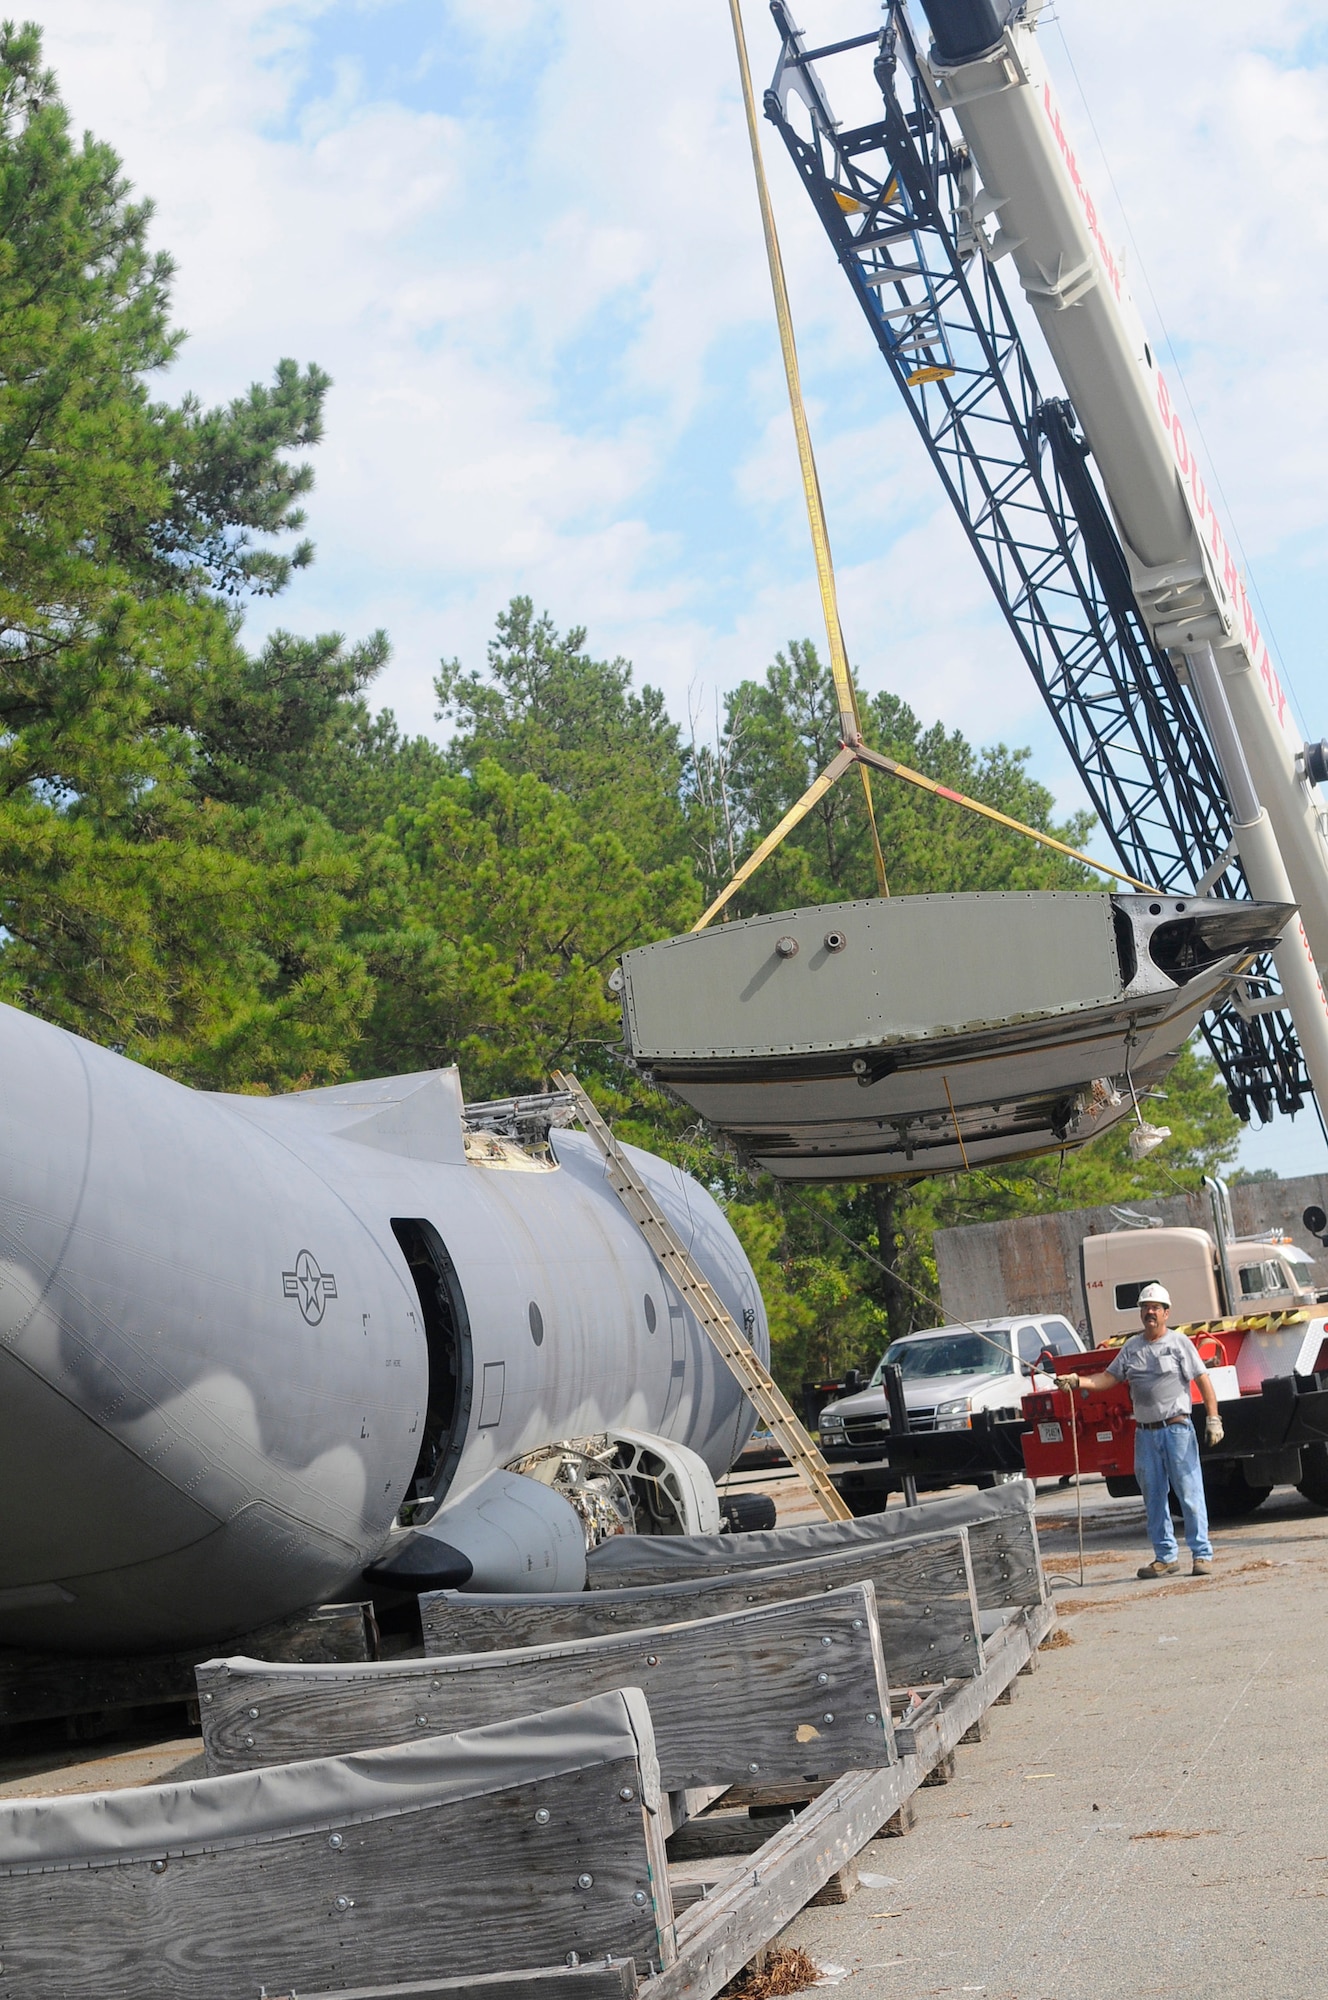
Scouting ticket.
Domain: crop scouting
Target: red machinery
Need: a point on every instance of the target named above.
(1274, 1423)
(1103, 1427)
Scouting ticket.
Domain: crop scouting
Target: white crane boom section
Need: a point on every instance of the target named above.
(1036, 207)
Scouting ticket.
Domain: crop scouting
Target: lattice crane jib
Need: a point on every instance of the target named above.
(899, 200)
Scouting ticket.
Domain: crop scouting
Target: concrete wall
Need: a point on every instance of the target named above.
(1031, 1263)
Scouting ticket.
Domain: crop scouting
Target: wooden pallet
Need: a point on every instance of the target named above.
(729, 1906)
(744, 1908)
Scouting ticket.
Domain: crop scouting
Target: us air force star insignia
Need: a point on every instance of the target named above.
(312, 1287)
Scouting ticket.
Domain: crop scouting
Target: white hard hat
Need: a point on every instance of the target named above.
(1155, 1295)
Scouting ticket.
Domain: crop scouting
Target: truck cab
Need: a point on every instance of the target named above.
(1264, 1274)
(950, 1373)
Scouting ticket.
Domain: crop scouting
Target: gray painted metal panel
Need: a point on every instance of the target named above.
(213, 1372)
(909, 968)
(920, 1034)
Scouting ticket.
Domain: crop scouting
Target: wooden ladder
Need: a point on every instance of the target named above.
(709, 1308)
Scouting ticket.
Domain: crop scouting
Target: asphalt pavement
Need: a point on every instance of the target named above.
(1150, 1815)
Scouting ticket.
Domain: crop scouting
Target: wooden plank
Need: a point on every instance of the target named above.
(676, 1808)
(1007, 1562)
(612, 1979)
(1002, 1542)
(35, 1687)
(926, 1605)
(472, 1886)
(642, 1559)
(724, 1832)
(778, 1691)
(717, 1936)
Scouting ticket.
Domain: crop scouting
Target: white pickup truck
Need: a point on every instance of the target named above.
(950, 1375)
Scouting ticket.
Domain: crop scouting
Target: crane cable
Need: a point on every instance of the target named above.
(853, 750)
(850, 721)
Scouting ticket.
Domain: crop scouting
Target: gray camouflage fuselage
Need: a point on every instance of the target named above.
(214, 1368)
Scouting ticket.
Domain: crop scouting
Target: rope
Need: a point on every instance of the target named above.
(879, 762)
(834, 770)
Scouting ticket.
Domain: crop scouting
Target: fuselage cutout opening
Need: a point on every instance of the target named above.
(447, 1338)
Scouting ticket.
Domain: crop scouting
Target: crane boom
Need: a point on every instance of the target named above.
(1182, 572)
(901, 201)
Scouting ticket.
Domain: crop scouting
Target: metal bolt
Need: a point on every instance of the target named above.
(207, 1697)
(872, 1716)
(253, 1715)
(334, 1840)
(652, 1659)
(585, 1881)
(422, 1720)
(753, 1767)
(248, 1742)
(827, 1718)
(344, 1903)
(542, 1816)
(573, 1958)
(857, 1624)
(627, 1793)
(822, 1680)
(640, 1898)
(825, 1638)
(787, 947)
(159, 1867)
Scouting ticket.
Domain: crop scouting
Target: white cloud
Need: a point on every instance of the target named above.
(543, 300)
(527, 249)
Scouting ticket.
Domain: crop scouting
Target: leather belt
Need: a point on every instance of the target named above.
(1165, 1424)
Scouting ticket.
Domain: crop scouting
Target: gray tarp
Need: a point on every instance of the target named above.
(204, 1814)
(646, 1559)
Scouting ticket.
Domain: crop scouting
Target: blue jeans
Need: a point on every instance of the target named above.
(1170, 1457)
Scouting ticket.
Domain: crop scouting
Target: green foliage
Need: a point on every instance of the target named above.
(780, 733)
(519, 908)
(225, 864)
(142, 899)
(549, 709)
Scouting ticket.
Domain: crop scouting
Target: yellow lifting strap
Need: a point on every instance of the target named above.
(854, 751)
(859, 754)
(850, 725)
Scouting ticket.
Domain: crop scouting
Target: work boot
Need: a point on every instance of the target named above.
(1203, 1566)
(1157, 1568)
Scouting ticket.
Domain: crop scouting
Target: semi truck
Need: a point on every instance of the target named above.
(1249, 1303)
(1210, 1276)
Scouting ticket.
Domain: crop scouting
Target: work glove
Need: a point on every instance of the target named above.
(1067, 1381)
(1215, 1432)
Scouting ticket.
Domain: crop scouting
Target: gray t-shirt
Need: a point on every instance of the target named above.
(1158, 1374)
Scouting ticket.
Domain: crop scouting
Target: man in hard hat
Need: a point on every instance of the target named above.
(1159, 1366)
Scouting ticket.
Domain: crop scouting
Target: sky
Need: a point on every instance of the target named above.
(524, 242)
